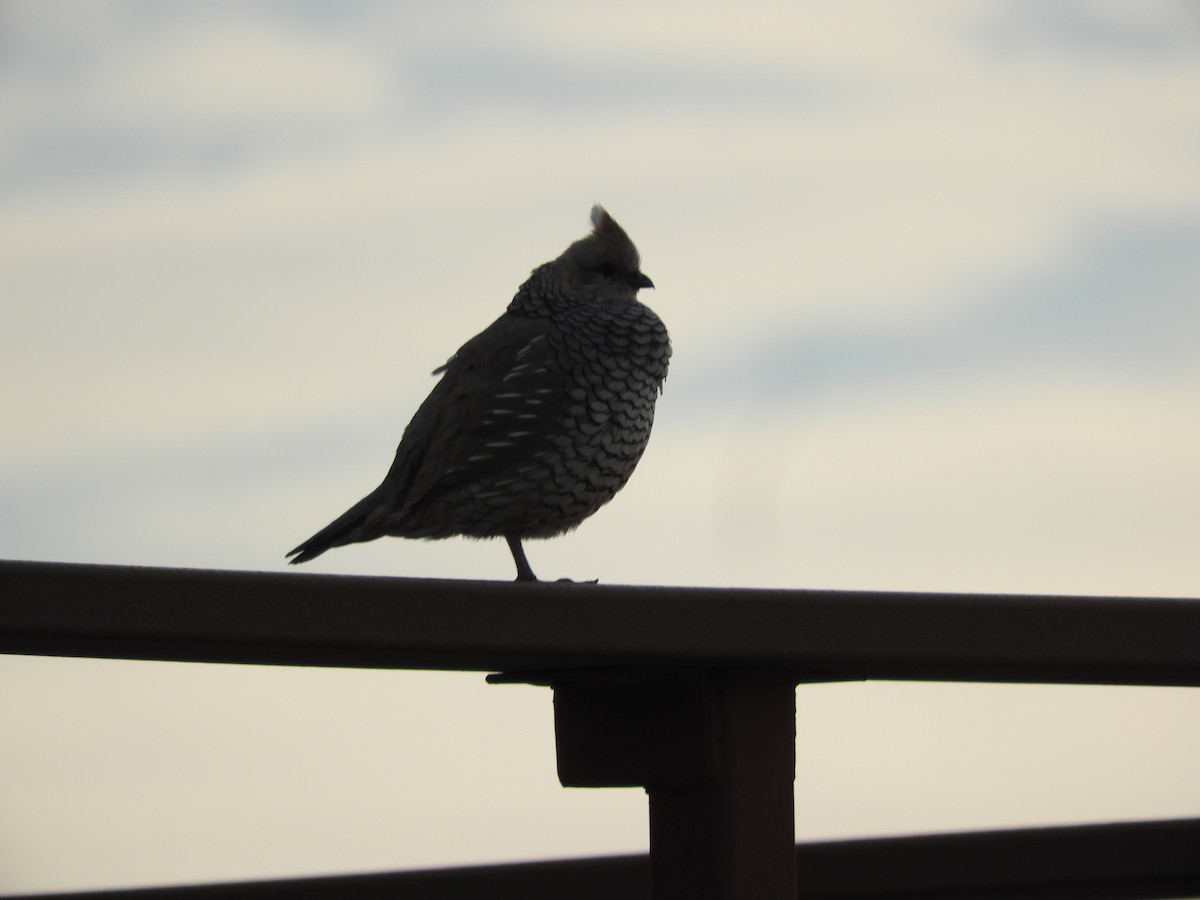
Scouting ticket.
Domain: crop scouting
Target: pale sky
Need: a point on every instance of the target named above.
(932, 274)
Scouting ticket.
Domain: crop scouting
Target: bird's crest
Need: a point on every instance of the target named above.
(605, 227)
(607, 247)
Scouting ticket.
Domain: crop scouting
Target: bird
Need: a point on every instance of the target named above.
(537, 421)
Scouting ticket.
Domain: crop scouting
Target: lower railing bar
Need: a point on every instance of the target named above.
(1126, 861)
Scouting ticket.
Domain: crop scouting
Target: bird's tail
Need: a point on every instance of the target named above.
(345, 529)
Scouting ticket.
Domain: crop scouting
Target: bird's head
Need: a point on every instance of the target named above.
(605, 262)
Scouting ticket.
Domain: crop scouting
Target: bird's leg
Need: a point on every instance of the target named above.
(524, 573)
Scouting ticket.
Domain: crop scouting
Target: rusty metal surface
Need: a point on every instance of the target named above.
(371, 622)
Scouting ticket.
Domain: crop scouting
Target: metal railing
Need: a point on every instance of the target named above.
(688, 692)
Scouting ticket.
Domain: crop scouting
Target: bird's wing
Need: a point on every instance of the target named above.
(487, 408)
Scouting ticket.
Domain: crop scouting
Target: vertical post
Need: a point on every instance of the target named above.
(716, 752)
(733, 836)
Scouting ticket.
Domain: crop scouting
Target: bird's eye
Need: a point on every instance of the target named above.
(608, 270)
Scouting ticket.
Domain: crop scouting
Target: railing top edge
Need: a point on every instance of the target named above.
(373, 621)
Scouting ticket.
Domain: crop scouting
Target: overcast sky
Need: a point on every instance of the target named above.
(932, 274)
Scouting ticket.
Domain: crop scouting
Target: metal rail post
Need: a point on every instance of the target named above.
(717, 757)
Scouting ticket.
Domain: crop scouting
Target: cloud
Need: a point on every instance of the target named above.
(1123, 303)
(252, 73)
(930, 225)
(177, 90)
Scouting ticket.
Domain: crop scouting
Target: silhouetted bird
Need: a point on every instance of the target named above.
(538, 421)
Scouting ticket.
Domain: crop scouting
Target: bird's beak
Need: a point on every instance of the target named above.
(642, 281)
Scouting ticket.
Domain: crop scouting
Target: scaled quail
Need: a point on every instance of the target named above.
(538, 421)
